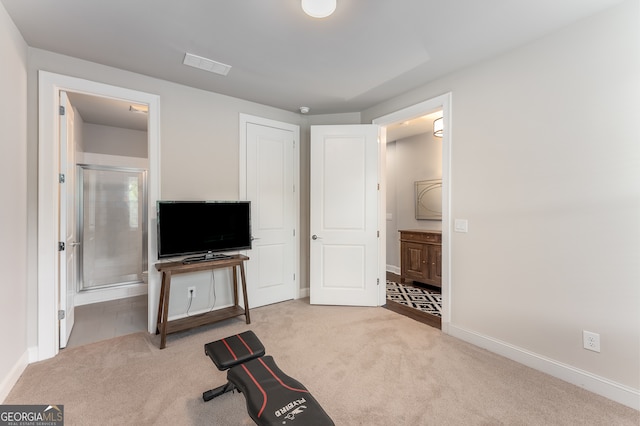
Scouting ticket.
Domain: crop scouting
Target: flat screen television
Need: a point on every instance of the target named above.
(203, 228)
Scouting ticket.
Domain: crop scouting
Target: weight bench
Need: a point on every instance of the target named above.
(272, 397)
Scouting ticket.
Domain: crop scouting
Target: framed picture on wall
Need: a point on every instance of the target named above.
(429, 199)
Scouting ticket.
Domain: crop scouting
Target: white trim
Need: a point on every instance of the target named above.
(109, 293)
(382, 216)
(439, 102)
(33, 354)
(14, 374)
(242, 178)
(393, 269)
(304, 293)
(49, 86)
(604, 387)
(112, 160)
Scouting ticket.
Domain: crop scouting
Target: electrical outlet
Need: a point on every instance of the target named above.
(591, 341)
(191, 293)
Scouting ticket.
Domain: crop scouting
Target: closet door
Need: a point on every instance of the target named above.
(271, 190)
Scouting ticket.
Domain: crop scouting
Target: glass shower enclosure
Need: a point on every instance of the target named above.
(112, 226)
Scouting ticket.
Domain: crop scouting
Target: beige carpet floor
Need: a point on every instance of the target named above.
(366, 366)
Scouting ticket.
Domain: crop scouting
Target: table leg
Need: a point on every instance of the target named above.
(160, 304)
(235, 285)
(244, 293)
(166, 285)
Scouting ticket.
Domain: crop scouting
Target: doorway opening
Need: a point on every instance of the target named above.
(414, 158)
(50, 291)
(110, 144)
(414, 218)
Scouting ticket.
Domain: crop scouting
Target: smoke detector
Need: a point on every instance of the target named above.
(304, 110)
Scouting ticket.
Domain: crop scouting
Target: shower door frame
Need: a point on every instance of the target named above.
(80, 223)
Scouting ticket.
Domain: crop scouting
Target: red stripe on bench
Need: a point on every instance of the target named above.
(264, 394)
(279, 380)
(245, 344)
(230, 350)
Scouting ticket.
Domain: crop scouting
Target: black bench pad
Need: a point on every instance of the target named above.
(273, 398)
(234, 350)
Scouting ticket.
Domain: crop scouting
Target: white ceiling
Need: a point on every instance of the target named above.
(408, 128)
(366, 52)
(108, 112)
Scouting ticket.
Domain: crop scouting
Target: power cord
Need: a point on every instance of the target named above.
(212, 290)
(190, 301)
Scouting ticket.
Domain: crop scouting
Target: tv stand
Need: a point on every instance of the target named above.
(164, 326)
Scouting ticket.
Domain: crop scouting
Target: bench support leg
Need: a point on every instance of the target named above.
(212, 393)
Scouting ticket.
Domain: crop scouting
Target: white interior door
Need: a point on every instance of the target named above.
(344, 215)
(271, 190)
(67, 228)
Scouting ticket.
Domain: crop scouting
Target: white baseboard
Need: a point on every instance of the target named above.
(393, 269)
(604, 387)
(13, 376)
(33, 354)
(304, 293)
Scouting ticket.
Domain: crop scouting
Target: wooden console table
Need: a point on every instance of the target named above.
(164, 326)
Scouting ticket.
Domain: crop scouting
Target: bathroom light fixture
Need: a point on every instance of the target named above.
(140, 109)
(438, 126)
(318, 8)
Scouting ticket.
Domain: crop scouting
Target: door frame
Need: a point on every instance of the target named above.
(49, 86)
(442, 102)
(244, 119)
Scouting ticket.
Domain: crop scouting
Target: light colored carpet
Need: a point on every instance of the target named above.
(366, 366)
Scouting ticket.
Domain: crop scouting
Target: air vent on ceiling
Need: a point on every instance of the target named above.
(206, 64)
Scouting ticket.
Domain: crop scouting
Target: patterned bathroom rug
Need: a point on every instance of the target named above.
(422, 299)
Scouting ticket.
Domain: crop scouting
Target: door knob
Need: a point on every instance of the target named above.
(315, 237)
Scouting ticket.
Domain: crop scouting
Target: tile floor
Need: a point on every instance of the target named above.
(105, 320)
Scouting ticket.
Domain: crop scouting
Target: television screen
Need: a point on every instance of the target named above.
(202, 227)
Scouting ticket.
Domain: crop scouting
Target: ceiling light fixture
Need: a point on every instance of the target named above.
(438, 127)
(318, 8)
(140, 109)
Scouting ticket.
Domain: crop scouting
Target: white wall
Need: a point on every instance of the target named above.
(546, 168)
(78, 133)
(13, 192)
(419, 157)
(393, 171)
(411, 159)
(111, 140)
